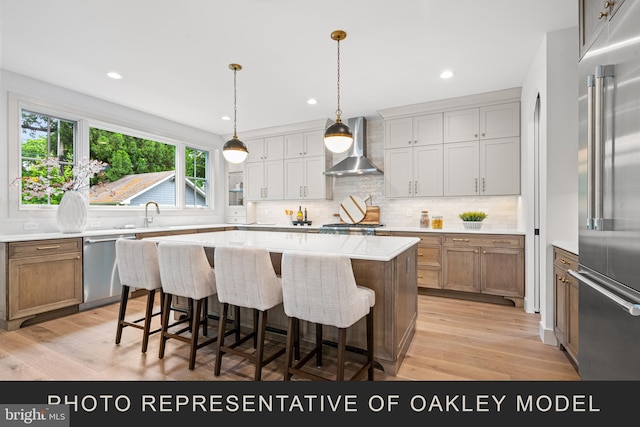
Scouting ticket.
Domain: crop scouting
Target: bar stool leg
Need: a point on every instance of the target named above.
(147, 319)
(222, 327)
(122, 312)
(342, 350)
(195, 317)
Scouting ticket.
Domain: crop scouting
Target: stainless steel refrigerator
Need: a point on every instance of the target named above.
(609, 197)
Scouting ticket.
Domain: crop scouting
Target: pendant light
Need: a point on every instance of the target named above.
(338, 137)
(234, 150)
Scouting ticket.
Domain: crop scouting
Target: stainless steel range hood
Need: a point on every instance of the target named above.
(356, 163)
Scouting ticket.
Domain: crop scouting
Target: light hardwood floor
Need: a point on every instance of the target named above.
(455, 340)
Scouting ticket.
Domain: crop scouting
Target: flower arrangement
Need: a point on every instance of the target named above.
(52, 178)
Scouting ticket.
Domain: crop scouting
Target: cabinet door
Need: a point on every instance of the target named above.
(44, 283)
(571, 343)
(461, 268)
(461, 125)
(398, 133)
(461, 168)
(254, 185)
(314, 143)
(500, 121)
(274, 180)
(560, 304)
(427, 129)
(294, 146)
(274, 148)
(294, 179)
(593, 17)
(398, 176)
(314, 180)
(500, 166)
(502, 272)
(256, 150)
(427, 170)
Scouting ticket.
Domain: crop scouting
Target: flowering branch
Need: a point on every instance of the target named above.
(51, 178)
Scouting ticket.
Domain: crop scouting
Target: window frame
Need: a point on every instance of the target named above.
(85, 121)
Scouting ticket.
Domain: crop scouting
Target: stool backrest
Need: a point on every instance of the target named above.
(245, 277)
(321, 288)
(137, 262)
(185, 270)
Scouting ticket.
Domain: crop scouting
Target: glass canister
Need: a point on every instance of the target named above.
(424, 219)
(436, 222)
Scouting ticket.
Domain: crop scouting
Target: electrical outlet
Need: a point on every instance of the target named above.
(30, 226)
(94, 224)
(408, 212)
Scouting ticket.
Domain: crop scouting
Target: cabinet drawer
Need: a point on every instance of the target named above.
(564, 259)
(429, 256)
(44, 247)
(485, 240)
(425, 238)
(429, 278)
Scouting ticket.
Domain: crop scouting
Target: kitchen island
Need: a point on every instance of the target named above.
(386, 264)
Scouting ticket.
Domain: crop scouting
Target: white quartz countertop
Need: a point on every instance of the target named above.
(264, 226)
(378, 248)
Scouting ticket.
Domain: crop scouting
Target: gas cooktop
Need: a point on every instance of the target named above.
(346, 225)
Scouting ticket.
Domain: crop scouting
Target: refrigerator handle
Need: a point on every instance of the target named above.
(590, 150)
(601, 72)
(633, 309)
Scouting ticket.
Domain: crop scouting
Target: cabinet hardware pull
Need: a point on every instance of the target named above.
(502, 241)
(460, 240)
(78, 257)
(602, 15)
(475, 185)
(419, 276)
(419, 253)
(475, 252)
(608, 4)
(40, 248)
(483, 186)
(415, 187)
(409, 187)
(564, 261)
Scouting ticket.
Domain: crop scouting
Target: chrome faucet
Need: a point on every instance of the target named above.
(148, 219)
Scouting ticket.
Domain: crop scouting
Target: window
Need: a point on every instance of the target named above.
(139, 170)
(140, 166)
(195, 177)
(42, 137)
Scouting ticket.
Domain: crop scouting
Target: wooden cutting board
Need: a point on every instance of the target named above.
(372, 216)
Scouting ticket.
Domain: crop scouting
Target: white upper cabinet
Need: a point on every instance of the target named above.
(413, 171)
(261, 149)
(304, 144)
(417, 130)
(487, 122)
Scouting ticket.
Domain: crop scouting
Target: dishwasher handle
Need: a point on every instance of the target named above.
(109, 239)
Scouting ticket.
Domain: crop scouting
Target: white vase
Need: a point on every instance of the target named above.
(472, 225)
(72, 212)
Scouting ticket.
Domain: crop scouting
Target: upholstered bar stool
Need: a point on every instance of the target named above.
(245, 277)
(321, 289)
(186, 272)
(138, 268)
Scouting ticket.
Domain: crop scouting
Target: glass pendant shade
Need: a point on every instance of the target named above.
(234, 150)
(338, 137)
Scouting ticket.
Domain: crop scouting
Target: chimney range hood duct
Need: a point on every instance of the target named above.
(356, 163)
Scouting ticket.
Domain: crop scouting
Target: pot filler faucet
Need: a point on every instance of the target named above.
(148, 219)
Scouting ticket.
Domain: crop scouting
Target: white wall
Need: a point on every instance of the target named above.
(554, 75)
(74, 102)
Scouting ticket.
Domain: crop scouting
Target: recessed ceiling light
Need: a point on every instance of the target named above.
(114, 75)
(447, 74)
(312, 101)
(227, 118)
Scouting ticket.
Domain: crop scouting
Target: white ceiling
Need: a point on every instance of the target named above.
(174, 55)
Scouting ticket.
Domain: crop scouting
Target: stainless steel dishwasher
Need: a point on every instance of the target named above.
(101, 282)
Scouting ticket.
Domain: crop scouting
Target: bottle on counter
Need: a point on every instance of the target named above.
(299, 215)
(305, 214)
(424, 219)
(436, 222)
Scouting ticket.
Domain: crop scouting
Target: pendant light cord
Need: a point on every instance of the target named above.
(338, 111)
(235, 135)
